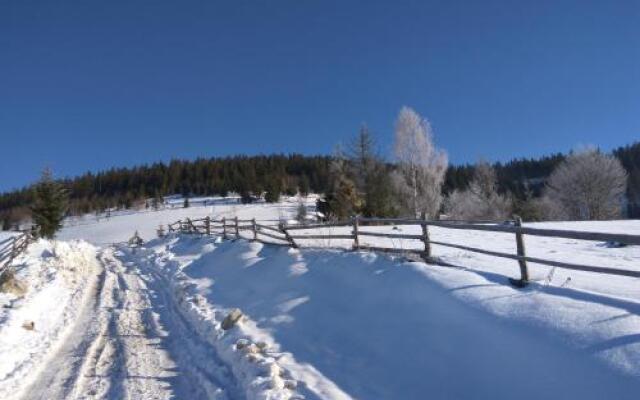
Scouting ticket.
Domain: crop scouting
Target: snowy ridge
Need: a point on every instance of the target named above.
(255, 368)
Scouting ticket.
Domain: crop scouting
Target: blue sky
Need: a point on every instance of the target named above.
(86, 85)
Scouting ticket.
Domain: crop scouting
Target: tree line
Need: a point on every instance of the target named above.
(358, 179)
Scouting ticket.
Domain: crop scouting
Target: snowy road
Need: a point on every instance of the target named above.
(131, 342)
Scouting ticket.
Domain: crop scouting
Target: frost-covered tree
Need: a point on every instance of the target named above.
(588, 185)
(421, 166)
(301, 212)
(157, 201)
(481, 199)
(50, 205)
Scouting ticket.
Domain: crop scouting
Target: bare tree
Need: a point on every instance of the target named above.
(362, 156)
(422, 166)
(481, 200)
(588, 185)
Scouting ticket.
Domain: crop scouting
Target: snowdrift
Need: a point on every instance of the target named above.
(360, 325)
(58, 278)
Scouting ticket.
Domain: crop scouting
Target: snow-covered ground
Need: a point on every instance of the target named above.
(361, 325)
(318, 323)
(58, 278)
(121, 225)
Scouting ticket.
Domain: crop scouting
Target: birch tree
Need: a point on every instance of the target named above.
(421, 166)
(588, 185)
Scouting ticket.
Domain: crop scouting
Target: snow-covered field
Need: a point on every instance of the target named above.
(114, 322)
(120, 226)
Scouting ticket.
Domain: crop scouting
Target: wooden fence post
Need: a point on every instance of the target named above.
(425, 238)
(356, 240)
(207, 225)
(287, 236)
(524, 272)
(224, 227)
(255, 230)
(237, 227)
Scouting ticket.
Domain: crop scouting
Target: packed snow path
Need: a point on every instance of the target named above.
(132, 343)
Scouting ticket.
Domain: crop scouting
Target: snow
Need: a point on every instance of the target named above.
(56, 275)
(115, 322)
(120, 226)
(375, 327)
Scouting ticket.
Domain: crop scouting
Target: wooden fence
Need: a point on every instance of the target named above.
(287, 235)
(13, 247)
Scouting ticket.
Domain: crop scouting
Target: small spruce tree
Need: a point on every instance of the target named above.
(274, 188)
(50, 205)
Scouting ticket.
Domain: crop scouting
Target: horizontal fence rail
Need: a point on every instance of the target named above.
(259, 230)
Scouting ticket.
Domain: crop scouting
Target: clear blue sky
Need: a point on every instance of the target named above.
(86, 85)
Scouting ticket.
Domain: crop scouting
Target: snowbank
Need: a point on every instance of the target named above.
(57, 277)
(360, 325)
(254, 366)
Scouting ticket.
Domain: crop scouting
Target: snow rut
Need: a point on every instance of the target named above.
(137, 346)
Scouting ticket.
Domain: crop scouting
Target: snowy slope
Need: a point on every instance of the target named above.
(320, 323)
(359, 325)
(120, 226)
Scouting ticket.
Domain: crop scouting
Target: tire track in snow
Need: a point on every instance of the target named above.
(134, 345)
(62, 369)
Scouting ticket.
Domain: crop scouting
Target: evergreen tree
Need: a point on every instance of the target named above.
(370, 175)
(379, 198)
(303, 186)
(50, 205)
(272, 195)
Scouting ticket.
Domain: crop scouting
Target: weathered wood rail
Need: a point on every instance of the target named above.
(13, 247)
(291, 236)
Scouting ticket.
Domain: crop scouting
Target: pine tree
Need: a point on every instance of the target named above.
(303, 185)
(50, 205)
(274, 188)
(370, 176)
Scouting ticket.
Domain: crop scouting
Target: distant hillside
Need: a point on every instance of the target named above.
(124, 187)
